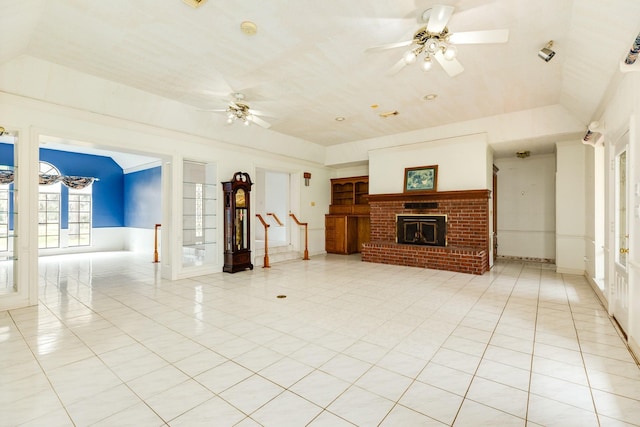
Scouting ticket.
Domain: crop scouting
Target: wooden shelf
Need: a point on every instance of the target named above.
(347, 225)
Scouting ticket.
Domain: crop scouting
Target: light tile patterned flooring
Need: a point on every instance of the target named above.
(353, 343)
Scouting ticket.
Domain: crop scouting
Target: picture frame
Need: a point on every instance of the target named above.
(421, 178)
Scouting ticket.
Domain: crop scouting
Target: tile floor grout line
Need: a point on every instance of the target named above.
(533, 348)
(584, 364)
(487, 345)
(42, 370)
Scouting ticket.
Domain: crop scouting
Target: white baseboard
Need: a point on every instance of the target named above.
(634, 347)
(569, 271)
(597, 290)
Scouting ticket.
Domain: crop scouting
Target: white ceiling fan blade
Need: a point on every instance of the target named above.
(439, 18)
(215, 110)
(453, 67)
(478, 37)
(389, 46)
(397, 67)
(262, 123)
(257, 112)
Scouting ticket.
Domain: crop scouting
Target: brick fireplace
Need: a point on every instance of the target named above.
(467, 230)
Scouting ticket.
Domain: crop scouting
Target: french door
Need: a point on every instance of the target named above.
(620, 301)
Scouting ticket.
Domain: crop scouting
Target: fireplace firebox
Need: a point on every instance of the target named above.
(430, 230)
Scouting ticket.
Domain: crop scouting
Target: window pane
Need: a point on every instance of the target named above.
(79, 219)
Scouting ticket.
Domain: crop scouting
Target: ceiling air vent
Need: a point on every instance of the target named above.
(389, 114)
(195, 3)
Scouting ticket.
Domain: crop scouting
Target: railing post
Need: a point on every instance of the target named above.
(306, 236)
(265, 263)
(155, 244)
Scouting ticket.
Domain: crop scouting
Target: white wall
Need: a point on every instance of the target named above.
(526, 207)
(462, 164)
(570, 207)
(140, 240)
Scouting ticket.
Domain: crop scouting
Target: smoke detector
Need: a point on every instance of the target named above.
(523, 154)
(195, 3)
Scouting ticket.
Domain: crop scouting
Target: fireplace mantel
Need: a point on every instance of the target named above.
(430, 195)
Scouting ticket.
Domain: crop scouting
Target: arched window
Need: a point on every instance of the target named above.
(49, 207)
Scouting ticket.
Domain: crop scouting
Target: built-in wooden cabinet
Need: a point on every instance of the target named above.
(349, 196)
(347, 224)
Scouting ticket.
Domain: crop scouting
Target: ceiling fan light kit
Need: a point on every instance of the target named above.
(434, 41)
(238, 110)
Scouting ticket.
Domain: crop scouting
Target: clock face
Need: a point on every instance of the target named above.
(240, 199)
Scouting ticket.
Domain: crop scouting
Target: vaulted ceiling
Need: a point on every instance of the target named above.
(307, 62)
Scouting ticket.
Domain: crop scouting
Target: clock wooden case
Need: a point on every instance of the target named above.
(237, 225)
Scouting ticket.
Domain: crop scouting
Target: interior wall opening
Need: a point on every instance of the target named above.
(97, 199)
(273, 203)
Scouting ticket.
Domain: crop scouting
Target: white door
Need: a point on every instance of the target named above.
(620, 301)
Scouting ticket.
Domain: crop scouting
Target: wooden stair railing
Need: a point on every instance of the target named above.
(306, 236)
(276, 218)
(265, 263)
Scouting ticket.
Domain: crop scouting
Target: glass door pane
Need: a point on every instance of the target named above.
(199, 205)
(8, 232)
(622, 233)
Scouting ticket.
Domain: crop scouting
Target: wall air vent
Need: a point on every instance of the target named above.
(195, 3)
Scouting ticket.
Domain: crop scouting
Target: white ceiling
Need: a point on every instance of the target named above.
(307, 63)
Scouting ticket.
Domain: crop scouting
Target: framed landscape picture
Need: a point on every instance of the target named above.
(421, 178)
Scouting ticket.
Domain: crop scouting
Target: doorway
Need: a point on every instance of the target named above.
(620, 291)
(273, 204)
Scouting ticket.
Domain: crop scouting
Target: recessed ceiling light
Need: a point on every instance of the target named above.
(249, 28)
(430, 97)
(374, 106)
(340, 119)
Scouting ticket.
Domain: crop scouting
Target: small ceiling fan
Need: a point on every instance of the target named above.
(434, 41)
(239, 110)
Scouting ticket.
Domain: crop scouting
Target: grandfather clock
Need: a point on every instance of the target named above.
(237, 227)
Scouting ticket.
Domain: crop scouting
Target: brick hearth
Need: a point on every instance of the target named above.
(467, 249)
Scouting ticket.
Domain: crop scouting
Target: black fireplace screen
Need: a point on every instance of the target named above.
(422, 229)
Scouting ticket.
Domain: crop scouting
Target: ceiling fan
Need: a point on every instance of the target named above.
(434, 41)
(239, 110)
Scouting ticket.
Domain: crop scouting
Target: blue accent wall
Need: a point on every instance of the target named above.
(142, 198)
(108, 192)
(6, 154)
(119, 200)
